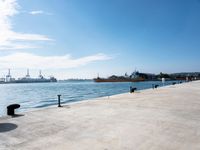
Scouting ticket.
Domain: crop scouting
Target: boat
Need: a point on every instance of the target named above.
(26, 79)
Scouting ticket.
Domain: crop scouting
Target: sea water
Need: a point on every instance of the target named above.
(37, 95)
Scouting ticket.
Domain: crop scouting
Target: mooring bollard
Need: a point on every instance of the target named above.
(59, 101)
(132, 90)
(173, 83)
(11, 109)
(156, 86)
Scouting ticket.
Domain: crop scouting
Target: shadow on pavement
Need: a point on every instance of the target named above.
(5, 127)
(17, 115)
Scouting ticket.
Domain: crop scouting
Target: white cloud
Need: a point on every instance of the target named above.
(27, 60)
(36, 12)
(39, 12)
(9, 39)
(14, 46)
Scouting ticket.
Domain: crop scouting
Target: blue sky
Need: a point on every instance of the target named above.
(78, 39)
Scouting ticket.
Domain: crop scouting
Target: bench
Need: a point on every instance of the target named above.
(11, 109)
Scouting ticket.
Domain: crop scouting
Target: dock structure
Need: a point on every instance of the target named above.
(163, 119)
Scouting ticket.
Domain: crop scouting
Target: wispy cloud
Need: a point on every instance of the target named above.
(27, 60)
(9, 39)
(13, 46)
(38, 12)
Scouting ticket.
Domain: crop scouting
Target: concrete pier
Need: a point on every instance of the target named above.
(166, 118)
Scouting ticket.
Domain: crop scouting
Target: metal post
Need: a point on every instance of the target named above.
(59, 101)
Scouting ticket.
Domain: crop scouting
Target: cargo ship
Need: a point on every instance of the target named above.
(26, 79)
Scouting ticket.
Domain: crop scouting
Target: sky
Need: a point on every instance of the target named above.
(80, 39)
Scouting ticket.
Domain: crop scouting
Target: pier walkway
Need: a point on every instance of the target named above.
(166, 118)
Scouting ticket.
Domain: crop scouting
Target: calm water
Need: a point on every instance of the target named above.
(37, 95)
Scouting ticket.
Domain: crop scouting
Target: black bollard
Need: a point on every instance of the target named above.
(59, 101)
(156, 86)
(132, 90)
(11, 109)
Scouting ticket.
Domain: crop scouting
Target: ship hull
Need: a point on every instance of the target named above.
(30, 81)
